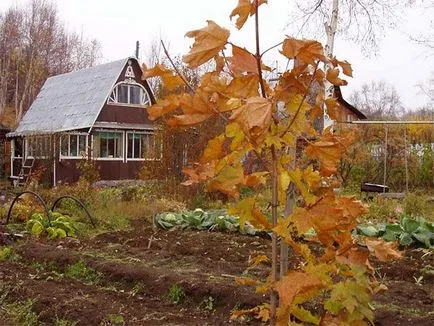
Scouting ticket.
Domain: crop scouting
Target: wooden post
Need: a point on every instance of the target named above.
(385, 156)
(406, 159)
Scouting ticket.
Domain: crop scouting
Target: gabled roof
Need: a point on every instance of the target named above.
(352, 108)
(71, 101)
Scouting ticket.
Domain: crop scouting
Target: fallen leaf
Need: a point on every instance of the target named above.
(384, 251)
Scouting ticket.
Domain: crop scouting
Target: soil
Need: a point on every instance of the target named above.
(137, 267)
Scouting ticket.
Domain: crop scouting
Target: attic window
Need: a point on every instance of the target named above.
(129, 93)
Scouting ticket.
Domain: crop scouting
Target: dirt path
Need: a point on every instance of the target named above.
(133, 271)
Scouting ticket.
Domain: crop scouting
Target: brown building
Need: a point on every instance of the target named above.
(95, 113)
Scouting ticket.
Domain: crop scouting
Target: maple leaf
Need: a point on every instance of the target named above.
(256, 178)
(214, 149)
(243, 10)
(255, 261)
(196, 109)
(170, 79)
(254, 116)
(333, 108)
(289, 287)
(243, 87)
(384, 251)
(199, 174)
(307, 51)
(247, 211)
(332, 77)
(328, 151)
(234, 131)
(246, 281)
(166, 105)
(242, 61)
(345, 65)
(296, 176)
(228, 181)
(208, 42)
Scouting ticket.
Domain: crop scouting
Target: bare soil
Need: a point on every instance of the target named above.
(137, 267)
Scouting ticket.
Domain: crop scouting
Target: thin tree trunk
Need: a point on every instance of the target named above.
(330, 29)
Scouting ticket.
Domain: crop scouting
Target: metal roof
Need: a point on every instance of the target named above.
(70, 101)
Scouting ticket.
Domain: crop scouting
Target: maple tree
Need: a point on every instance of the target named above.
(264, 120)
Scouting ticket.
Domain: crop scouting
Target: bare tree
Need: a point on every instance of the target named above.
(362, 21)
(378, 100)
(34, 45)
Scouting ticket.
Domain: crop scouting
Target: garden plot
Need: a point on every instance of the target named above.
(148, 276)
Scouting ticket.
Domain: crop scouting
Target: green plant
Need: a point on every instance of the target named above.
(60, 226)
(80, 271)
(64, 322)
(113, 319)
(6, 253)
(203, 220)
(176, 294)
(208, 303)
(415, 204)
(21, 312)
(407, 231)
(89, 171)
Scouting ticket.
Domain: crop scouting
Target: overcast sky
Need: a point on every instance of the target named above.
(118, 24)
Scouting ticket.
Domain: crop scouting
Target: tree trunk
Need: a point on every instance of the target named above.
(330, 29)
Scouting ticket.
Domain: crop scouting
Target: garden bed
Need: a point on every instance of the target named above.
(135, 276)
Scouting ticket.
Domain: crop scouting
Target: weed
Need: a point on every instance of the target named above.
(176, 294)
(80, 271)
(208, 303)
(64, 322)
(418, 280)
(6, 253)
(415, 204)
(113, 319)
(21, 312)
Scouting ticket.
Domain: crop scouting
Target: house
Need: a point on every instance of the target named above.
(96, 113)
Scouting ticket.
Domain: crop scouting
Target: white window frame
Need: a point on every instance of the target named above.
(113, 99)
(68, 157)
(147, 132)
(123, 155)
(27, 146)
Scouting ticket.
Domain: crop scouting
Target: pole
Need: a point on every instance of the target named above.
(406, 159)
(385, 157)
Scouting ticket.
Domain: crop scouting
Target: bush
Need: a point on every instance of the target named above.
(415, 204)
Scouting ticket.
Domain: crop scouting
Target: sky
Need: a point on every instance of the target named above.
(117, 25)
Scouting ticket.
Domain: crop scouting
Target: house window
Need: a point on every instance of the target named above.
(38, 147)
(127, 93)
(73, 145)
(108, 145)
(143, 146)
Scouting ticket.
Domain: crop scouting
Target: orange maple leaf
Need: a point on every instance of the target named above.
(214, 149)
(384, 251)
(345, 65)
(242, 61)
(199, 174)
(228, 181)
(333, 77)
(307, 51)
(289, 287)
(208, 42)
(166, 105)
(254, 116)
(170, 79)
(333, 108)
(243, 10)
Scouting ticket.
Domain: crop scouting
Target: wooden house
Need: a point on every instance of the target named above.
(96, 113)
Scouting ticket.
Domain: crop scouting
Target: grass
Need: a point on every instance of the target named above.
(6, 253)
(80, 271)
(20, 312)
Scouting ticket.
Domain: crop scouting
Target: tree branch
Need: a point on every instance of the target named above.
(180, 74)
(258, 52)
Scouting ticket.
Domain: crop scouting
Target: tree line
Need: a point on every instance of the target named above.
(34, 45)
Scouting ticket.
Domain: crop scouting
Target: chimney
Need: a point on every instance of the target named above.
(137, 49)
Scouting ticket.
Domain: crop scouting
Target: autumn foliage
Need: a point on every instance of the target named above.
(265, 120)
